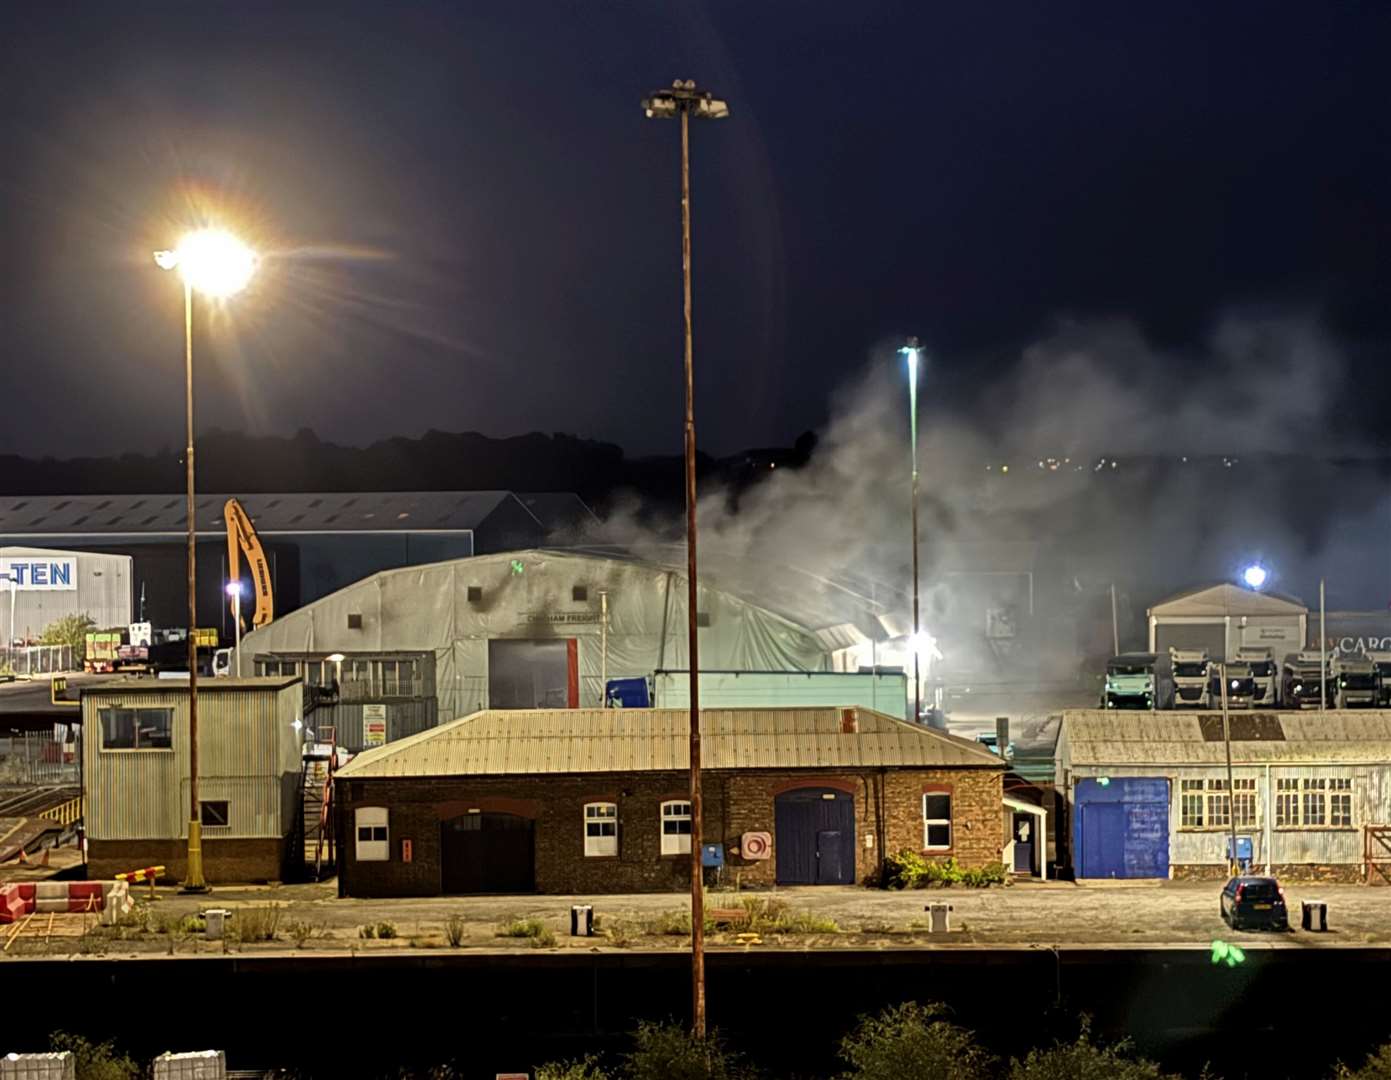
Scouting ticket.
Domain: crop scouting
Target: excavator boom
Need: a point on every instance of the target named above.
(242, 540)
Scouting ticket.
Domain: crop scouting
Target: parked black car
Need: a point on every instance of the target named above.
(1255, 903)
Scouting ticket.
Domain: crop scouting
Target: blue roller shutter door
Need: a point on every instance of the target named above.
(1121, 828)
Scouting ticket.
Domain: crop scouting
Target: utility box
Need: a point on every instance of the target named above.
(939, 918)
(1314, 915)
(57, 1066)
(199, 1065)
(215, 923)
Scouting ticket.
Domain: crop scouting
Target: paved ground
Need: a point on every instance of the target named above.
(311, 917)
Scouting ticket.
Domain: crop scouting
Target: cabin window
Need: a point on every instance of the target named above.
(137, 728)
(676, 828)
(373, 843)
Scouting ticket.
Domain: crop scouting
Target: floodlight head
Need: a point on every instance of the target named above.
(212, 261)
(660, 106)
(234, 588)
(712, 108)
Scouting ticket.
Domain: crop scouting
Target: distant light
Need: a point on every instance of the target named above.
(212, 261)
(1255, 575)
(335, 658)
(924, 644)
(1103, 781)
(297, 725)
(1004, 468)
(234, 588)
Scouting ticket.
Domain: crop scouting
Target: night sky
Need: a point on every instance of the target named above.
(469, 225)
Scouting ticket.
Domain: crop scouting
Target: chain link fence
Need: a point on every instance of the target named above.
(37, 758)
(37, 659)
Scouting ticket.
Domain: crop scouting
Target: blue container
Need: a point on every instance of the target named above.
(627, 694)
(712, 855)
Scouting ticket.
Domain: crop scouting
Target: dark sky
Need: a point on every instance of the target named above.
(470, 225)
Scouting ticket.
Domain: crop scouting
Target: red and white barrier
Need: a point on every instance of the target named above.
(111, 899)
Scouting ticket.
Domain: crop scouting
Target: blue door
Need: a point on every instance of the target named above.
(1121, 828)
(814, 840)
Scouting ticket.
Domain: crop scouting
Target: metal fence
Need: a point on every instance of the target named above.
(36, 757)
(37, 659)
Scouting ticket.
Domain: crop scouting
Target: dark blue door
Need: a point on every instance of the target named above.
(814, 841)
(1122, 828)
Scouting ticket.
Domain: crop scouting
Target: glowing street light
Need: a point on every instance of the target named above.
(1255, 576)
(910, 354)
(234, 591)
(218, 265)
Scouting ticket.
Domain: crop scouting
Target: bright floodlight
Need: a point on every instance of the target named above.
(212, 261)
(234, 588)
(925, 645)
(1255, 575)
(335, 658)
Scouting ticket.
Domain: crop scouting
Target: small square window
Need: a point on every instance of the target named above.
(702, 618)
(214, 813)
(475, 594)
(354, 620)
(579, 594)
(372, 837)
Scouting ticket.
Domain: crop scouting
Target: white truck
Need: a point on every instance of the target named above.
(1130, 682)
(1265, 673)
(1300, 682)
(1354, 682)
(1188, 670)
(1381, 664)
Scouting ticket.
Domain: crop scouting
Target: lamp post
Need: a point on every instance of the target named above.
(910, 352)
(683, 100)
(234, 591)
(218, 265)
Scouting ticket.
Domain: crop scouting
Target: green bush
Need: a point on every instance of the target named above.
(531, 928)
(670, 1052)
(454, 929)
(258, 922)
(585, 1068)
(912, 1042)
(909, 870)
(1084, 1060)
(1376, 1067)
(69, 630)
(95, 1061)
(905, 870)
(386, 930)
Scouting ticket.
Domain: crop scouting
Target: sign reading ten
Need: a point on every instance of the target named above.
(30, 574)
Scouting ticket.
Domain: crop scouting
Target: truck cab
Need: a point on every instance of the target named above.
(1354, 682)
(1241, 685)
(1188, 668)
(1381, 665)
(1299, 687)
(1130, 682)
(1265, 673)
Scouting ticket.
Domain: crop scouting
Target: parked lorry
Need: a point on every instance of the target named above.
(139, 649)
(1261, 660)
(1381, 665)
(1240, 688)
(1188, 671)
(1130, 682)
(1354, 682)
(1299, 684)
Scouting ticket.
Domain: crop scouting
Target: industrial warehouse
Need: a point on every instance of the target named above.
(1146, 794)
(548, 629)
(587, 800)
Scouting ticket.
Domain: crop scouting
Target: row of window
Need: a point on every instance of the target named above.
(385, 678)
(601, 828)
(1311, 802)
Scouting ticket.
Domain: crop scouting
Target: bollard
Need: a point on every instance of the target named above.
(939, 916)
(215, 922)
(582, 920)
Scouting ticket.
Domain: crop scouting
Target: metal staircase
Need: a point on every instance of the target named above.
(316, 804)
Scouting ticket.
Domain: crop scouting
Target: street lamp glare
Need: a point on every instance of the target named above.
(213, 261)
(234, 588)
(1255, 576)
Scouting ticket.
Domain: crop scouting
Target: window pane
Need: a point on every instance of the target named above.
(137, 729)
(937, 807)
(939, 836)
(214, 813)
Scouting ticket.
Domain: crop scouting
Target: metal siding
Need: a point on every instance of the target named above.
(1121, 830)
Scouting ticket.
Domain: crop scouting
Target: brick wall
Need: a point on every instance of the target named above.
(1334, 873)
(735, 803)
(224, 861)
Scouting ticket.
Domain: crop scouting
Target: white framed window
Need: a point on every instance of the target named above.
(600, 829)
(1315, 801)
(1340, 801)
(1219, 807)
(1191, 804)
(676, 828)
(373, 839)
(937, 820)
(1244, 801)
(1286, 802)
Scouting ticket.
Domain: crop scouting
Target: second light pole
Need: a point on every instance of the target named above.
(910, 351)
(682, 101)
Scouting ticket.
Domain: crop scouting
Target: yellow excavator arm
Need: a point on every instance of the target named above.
(242, 540)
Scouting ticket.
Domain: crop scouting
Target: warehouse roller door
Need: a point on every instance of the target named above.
(487, 853)
(814, 842)
(1122, 828)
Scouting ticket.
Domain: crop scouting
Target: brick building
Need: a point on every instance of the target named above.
(590, 800)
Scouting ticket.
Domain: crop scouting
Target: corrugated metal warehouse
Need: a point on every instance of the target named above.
(45, 584)
(1223, 618)
(135, 768)
(596, 800)
(316, 542)
(1147, 793)
(534, 629)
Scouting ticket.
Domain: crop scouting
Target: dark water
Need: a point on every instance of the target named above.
(1283, 1013)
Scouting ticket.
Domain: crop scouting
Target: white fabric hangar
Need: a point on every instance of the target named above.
(1224, 618)
(539, 629)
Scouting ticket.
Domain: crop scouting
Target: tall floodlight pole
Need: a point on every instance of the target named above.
(1323, 655)
(910, 352)
(1231, 789)
(217, 265)
(683, 100)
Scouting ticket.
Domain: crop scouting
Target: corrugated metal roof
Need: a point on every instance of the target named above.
(134, 685)
(390, 511)
(1095, 737)
(530, 741)
(1227, 599)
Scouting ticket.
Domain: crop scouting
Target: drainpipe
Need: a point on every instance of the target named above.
(1269, 806)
